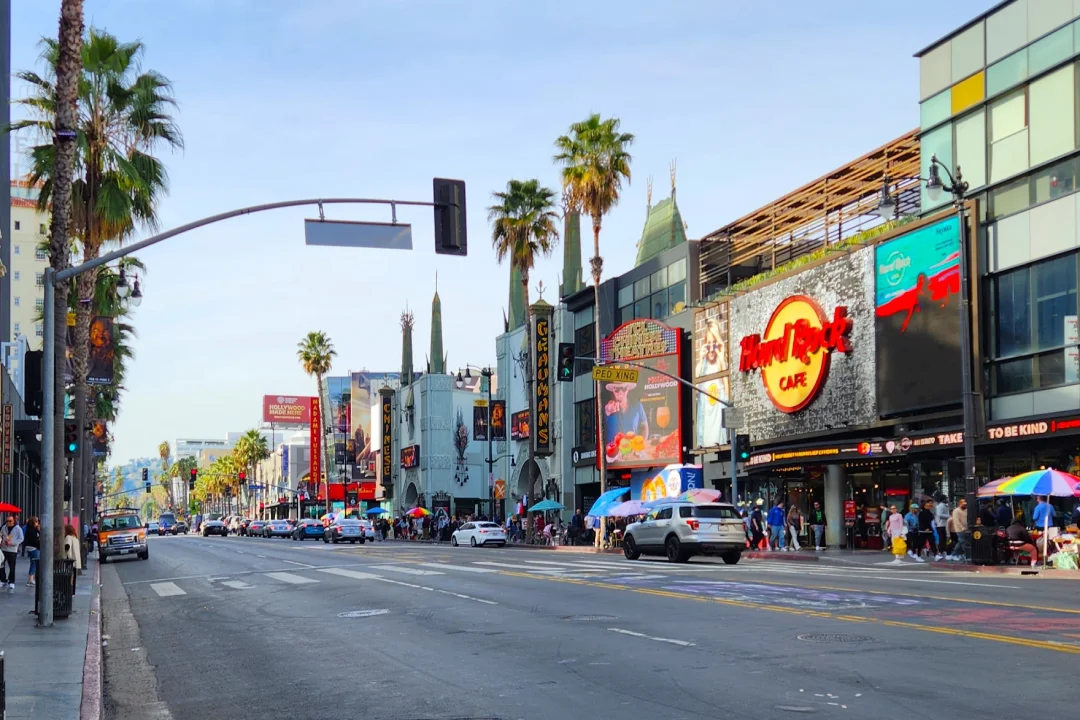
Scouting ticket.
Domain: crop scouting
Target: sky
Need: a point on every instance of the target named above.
(280, 100)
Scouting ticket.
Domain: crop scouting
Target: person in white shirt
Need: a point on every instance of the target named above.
(11, 537)
(941, 520)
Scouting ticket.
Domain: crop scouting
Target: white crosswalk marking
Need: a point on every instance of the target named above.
(462, 568)
(290, 578)
(167, 589)
(344, 572)
(406, 570)
(237, 584)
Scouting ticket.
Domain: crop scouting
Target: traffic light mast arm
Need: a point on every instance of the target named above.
(687, 383)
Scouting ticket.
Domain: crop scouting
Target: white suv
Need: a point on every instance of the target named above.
(681, 530)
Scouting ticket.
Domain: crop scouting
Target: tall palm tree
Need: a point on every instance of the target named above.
(165, 452)
(122, 116)
(523, 226)
(595, 161)
(250, 450)
(316, 354)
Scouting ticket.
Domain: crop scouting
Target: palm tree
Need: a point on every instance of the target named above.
(121, 116)
(595, 161)
(164, 452)
(250, 450)
(523, 226)
(316, 354)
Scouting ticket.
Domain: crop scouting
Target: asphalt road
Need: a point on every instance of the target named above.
(243, 628)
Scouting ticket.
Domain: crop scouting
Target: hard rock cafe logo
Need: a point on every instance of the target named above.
(793, 353)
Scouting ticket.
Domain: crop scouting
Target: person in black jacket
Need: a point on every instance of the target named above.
(926, 530)
(817, 522)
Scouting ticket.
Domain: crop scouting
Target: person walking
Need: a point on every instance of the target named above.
(70, 551)
(941, 521)
(757, 529)
(818, 523)
(912, 522)
(896, 531)
(960, 527)
(777, 526)
(11, 537)
(32, 542)
(927, 535)
(795, 523)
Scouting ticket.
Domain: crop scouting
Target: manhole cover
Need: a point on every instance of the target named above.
(591, 618)
(835, 638)
(362, 613)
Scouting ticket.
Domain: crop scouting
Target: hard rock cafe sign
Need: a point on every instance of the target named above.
(794, 352)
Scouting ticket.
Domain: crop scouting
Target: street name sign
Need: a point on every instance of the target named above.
(603, 373)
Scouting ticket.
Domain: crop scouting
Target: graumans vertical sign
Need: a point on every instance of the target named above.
(541, 400)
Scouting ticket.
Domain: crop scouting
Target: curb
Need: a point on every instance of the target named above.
(588, 550)
(92, 707)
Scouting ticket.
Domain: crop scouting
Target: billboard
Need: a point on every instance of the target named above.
(410, 457)
(711, 351)
(708, 430)
(480, 420)
(519, 425)
(917, 318)
(641, 422)
(287, 409)
(99, 438)
(670, 482)
(99, 371)
(364, 388)
(498, 420)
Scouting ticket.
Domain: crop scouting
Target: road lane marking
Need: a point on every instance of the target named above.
(462, 568)
(437, 590)
(167, 589)
(682, 643)
(290, 578)
(237, 584)
(343, 572)
(406, 570)
(467, 597)
(293, 562)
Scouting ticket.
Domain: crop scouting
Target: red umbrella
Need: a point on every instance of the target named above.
(9, 508)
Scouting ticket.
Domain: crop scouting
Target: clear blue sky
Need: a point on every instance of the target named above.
(372, 98)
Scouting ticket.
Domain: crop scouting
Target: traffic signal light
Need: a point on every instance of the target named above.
(242, 476)
(566, 362)
(450, 235)
(191, 479)
(742, 447)
(146, 479)
(71, 438)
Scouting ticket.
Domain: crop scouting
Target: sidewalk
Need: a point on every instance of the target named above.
(44, 668)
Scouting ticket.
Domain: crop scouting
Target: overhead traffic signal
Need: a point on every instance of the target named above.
(450, 235)
(191, 479)
(566, 362)
(742, 447)
(71, 438)
(242, 476)
(146, 479)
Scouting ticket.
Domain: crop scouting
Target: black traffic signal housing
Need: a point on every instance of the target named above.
(566, 362)
(191, 479)
(146, 479)
(450, 233)
(742, 447)
(71, 438)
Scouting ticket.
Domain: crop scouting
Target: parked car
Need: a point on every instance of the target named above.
(307, 528)
(369, 529)
(478, 534)
(151, 527)
(681, 530)
(255, 528)
(214, 527)
(242, 527)
(344, 530)
(277, 528)
(180, 528)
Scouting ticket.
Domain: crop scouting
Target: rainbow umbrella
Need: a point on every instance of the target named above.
(628, 509)
(418, 512)
(1036, 482)
(700, 495)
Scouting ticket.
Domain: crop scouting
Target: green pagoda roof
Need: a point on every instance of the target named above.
(664, 229)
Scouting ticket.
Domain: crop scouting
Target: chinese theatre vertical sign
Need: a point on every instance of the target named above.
(386, 460)
(316, 443)
(541, 400)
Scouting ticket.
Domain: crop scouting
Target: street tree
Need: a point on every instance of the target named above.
(164, 452)
(250, 450)
(316, 354)
(523, 226)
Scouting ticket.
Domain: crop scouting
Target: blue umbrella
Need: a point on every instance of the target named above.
(377, 511)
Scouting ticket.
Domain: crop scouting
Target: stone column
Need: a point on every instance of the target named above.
(835, 485)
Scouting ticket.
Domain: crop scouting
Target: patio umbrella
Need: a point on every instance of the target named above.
(701, 495)
(545, 505)
(607, 501)
(377, 511)
(418, 512)
(1036, 482)
(9, 508)
(628, 508)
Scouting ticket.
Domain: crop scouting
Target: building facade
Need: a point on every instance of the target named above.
(29, 229)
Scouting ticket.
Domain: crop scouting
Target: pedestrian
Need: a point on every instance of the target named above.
(911, 519)
(32, 543)
(896, 531)
(960, 527)
(941, 520)
(777, 526)
(818, 523)
(757, 528)
(1004, 516)
(11, 537)
(70, 551)
(795, 522)
(927, 530)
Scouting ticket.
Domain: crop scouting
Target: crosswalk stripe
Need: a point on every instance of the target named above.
(406, 570)
(290, 578)
(167, 589)
(237, 584)
(344, 572)
(462, 568)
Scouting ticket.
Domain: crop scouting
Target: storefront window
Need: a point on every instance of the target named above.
(1013, 313)
(1054, 283)
(626, 296)
(677, 297)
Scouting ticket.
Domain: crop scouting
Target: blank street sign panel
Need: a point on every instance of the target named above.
(343, 233)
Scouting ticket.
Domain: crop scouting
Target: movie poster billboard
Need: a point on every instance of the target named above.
(711, 351)
(102, 352)
(917, 318)
(498, 420)
(99, 438)
(363, 395)
(641, 420)
(480, 420)
(519, 425)
(709, 433)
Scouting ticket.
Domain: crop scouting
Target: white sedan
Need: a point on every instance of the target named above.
(369, 529)
(479, 533)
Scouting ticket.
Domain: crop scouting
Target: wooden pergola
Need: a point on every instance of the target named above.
(820, 213)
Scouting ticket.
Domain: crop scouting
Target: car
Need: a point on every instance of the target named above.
(478, 534)
(214, 527)
(180, 528)
(242, 526)
(277, 528)
(344, 530)
(307, 528)
(165, 522)
(369, 529)
(255, 528)
(680, 530)
(151, 527)
(121, 532)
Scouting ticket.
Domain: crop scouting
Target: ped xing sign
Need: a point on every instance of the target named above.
(607, 373)
(794, 352)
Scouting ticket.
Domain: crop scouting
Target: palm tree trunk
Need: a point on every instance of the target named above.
(597, 265)
(68, 69)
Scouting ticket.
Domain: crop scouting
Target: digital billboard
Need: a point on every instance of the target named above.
(917, 318)
(287, 409)
(364, 388)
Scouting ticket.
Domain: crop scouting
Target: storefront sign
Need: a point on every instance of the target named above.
(541, 402)
(410, 457)
(583, 456)
(387, 464)
(316, 440)
(851, 451)
(285, 462)
(794, 352)
(8, 441)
